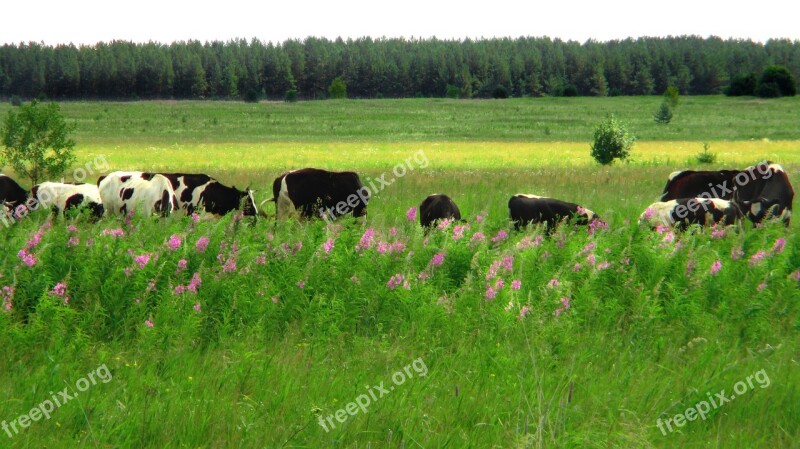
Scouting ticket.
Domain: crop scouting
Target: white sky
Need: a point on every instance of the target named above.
(90, 21)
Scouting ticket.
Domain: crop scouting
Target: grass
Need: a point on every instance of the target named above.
(291, 333)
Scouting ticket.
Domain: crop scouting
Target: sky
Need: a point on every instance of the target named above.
(90, 21)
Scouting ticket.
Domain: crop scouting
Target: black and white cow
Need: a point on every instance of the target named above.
(762, 183)
(202, 192)
(683, 212)
(437, 207)
(526, 209)
(312, 192)
(11, 194)
(62, 197)
(146, 192)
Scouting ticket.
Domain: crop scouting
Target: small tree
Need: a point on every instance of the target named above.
(664, 114)
(672, 96)
(291, 96)
(338, 89)
(611, 141)
(705, 157)
(782, 77)
(742, 84)
(36, 141)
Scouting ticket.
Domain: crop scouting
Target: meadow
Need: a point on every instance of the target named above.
(237, 333)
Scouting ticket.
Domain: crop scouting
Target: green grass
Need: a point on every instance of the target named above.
(246, 371)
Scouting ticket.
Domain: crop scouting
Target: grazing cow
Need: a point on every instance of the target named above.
(687, 211)
(437, 207)
(202, 192)
(763, 182)
(11, 194)
(311, 192)
(526, 209)
(127, 191)
(63, 197)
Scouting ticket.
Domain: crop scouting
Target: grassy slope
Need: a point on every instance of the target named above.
(248, 373)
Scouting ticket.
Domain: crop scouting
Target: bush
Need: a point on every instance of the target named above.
(16, 100)
(452, 91)
(291, 96)
(768, 90)
(782, 78)
(664, 114)
(742, 84)
(251, 95)
(36, 141)
(705, 157)
(570, 91)
(611, 141)
(672, 96)
(500, 92)
(338, 89)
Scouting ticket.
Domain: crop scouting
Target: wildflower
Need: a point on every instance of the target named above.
(202, 244)
(179, 289)
(490, 292)
(395, 280)
(366, 240)
(576, 267)
(393, 232)
(354, 279)
(602, 265)
(444, 223)
(510, 306)
(553, 283)
(761, 286)
(690, 267)
(565, 304)
(261, 259)
(718, 233)
(588, 247)
(795, 275)
(194, 284)
(422, 276)
(477, 237)
(669, 237)
(662, 229)
(596, 225)
(28, 258)
(142, 260)
(648, 213)
(736, 253)
(114, 232)
(458, 231)
(7, 293)
(383, 247)
(174, 242)
(128, 271)
(149, 322)
(758, 257)
(501, 235)
(72, 228)
(151, 286)
(591, 258)
(195, 217)
(481, 216)
(516, 284)
(499, 284)
(274, 299)
(398, 247)
(412, 214)
(197, 307)
(526, 242)
(715, 267)
(181, 265)
(778, 246)
(301, 284)
(508, 263)
(524, 311)
(328, 246)
(437, 260)
(73, 241)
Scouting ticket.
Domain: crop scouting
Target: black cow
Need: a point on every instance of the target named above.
(526, 209)
(11, 194)
(202, 192)
(312, 192)
(437, 207)
(763, 183)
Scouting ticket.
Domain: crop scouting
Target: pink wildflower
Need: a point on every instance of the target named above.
(761, 286)
(149, 322)
(564, 306)
(301, 284)
(458, 232)
(516, 284)
(718, 233)
(437, 260)
(778, 246)
(395, 280)
(553, 283)
(28, 258)
(481, 216)
(261, 259)
(477, 237)
(73, 241)
(181, 265)
(202, 244)
(142, 260)
(114, 232)
(602, 265)
(524, 311)
(737, 253)
(412, 214)
(500, 236)
(72, 228)
(328, 246)
(366, 240)
(179, 289)
(490, 292)
(576, 267)
(7, 294)
(174, 242)
(715, 267)
(197, 307)
(444, 223)
(758, 257)
(195, 218)
(795, 275)
(194, 284)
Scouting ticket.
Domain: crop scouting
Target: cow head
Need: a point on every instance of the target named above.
(248, 202)
(756, 211)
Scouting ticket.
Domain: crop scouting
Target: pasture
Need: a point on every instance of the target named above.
(286, 324)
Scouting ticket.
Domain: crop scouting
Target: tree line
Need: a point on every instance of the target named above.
(391, 68)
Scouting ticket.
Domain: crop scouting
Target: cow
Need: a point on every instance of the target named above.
(682, 212)
(437, 207)
(150, 193)
(762, 183)
(202, 192)
(11, 194)
(312, 192)
(526, 209)
(62, 197)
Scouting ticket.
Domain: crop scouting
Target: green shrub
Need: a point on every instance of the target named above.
(705, 157)
(781, 77)
(570, 91)
(338, 88)
(664, 114)
(500, 92)
(452, 91)
(672, 96)
(251, 95)
(742, 84)
(291, 96)
(611, 141)
(768, 90)
(16, 100)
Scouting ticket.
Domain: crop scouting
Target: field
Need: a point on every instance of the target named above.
(230, 333)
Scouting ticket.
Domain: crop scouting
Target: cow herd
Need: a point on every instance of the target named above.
(690, 197)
